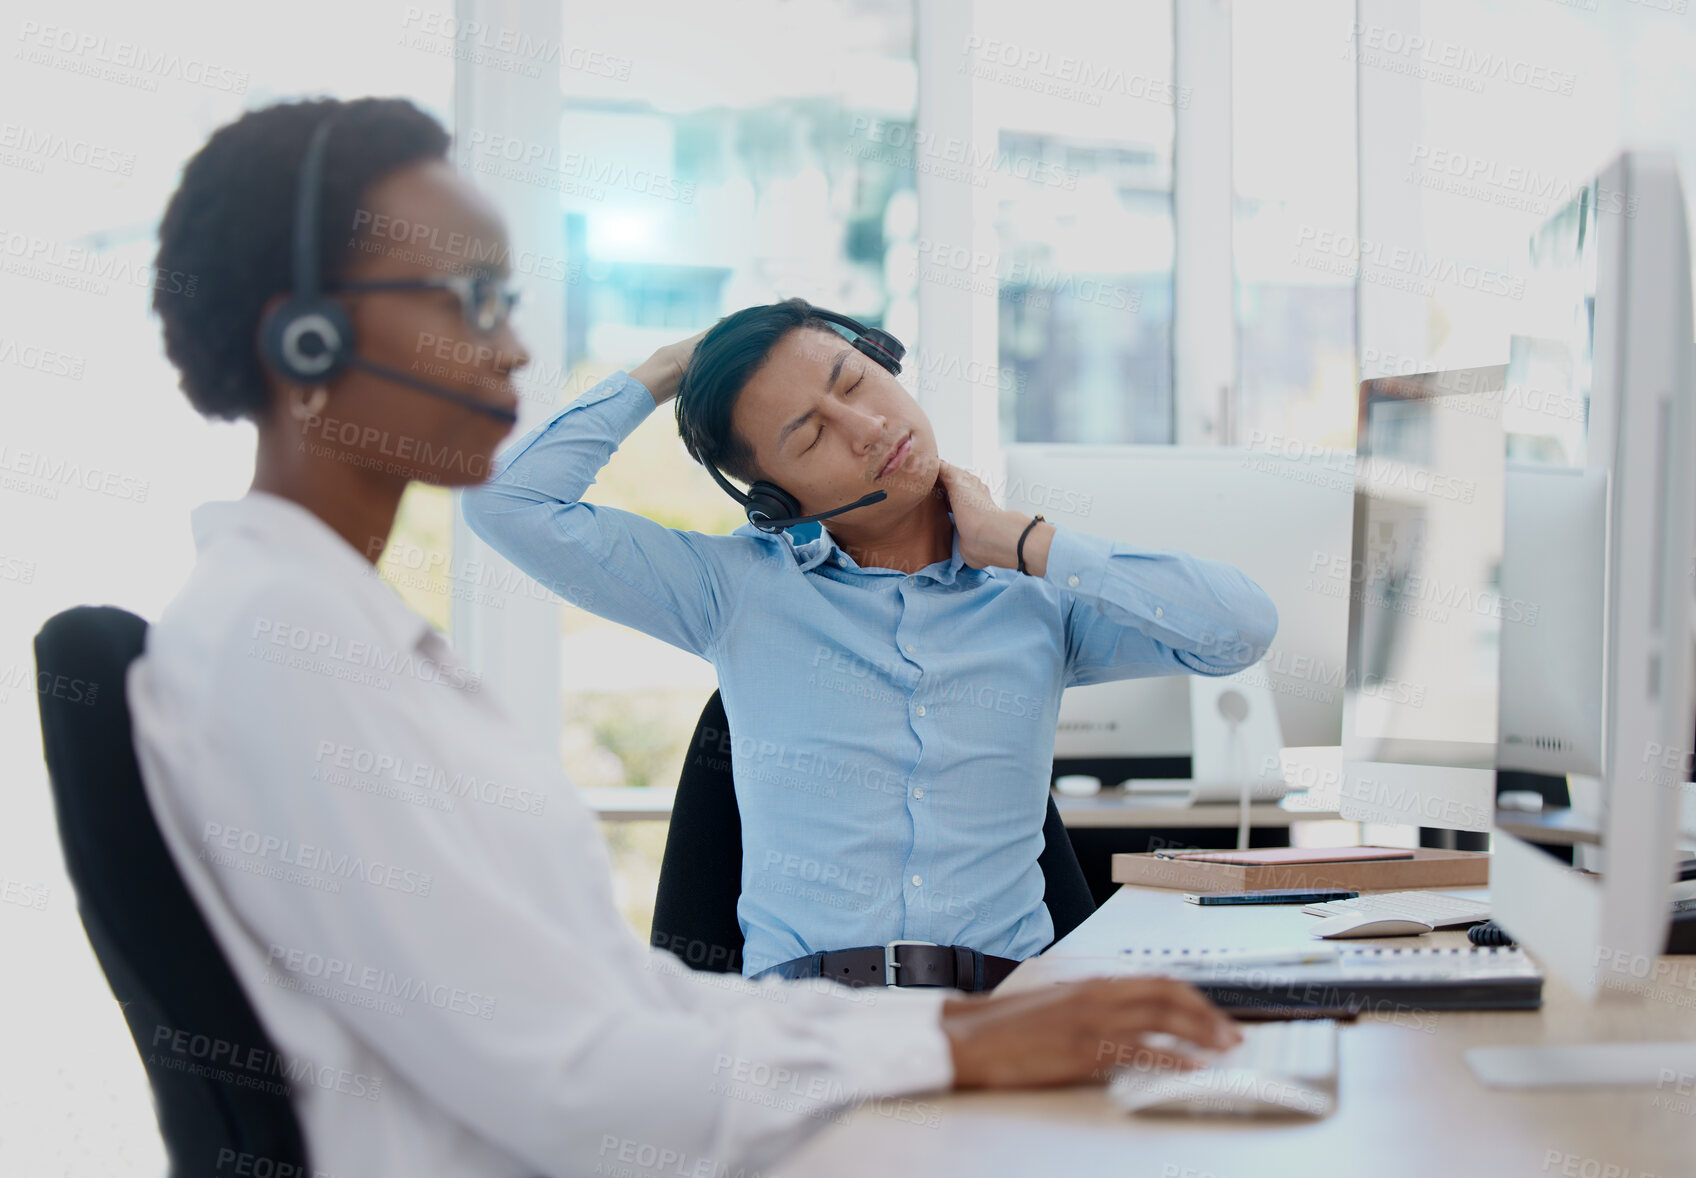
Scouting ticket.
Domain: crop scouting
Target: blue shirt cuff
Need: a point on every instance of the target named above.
(1077, 561)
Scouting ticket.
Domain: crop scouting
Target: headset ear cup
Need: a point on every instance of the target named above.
(882, 347)
(307, 340)
(770, 501)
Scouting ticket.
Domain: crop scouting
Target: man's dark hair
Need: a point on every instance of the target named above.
(724, 362)
(230, 226)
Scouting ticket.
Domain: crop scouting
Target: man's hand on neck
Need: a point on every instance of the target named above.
(990, 535)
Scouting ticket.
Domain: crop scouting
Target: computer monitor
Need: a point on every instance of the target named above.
(1618, 257)
(1552, 607)
(1281, 512)
(1425, 606)
(1281, 515)
(1431, 601)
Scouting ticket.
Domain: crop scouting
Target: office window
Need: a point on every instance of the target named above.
(1487, 185)
(1083, 104)
(708, 167)
(1087, 212)
(1293, 167)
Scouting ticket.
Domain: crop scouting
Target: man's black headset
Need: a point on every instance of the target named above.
(772, 509)
(309, 338)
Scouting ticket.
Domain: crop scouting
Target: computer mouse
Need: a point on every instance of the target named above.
(1353, 924)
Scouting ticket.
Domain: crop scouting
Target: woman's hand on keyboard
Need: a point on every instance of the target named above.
(1079, 1031)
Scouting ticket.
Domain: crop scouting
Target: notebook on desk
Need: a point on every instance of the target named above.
(1283, 856)
(1420, 867)
(1372, 981)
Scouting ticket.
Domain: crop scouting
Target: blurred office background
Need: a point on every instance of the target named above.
(1136, 222)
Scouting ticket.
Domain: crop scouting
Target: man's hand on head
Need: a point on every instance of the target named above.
(989, 535)
(662, 372)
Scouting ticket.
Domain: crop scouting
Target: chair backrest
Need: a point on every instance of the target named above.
(220, 1089)
(701, 871)
(1064, 888)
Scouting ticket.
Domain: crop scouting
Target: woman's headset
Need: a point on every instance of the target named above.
(309, 338)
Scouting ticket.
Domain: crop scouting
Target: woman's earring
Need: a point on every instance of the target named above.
(308, 409)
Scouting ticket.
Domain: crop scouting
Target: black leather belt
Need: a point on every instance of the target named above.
(901, 963)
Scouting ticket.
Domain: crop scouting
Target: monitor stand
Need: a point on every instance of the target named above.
(1669, 1066)
(1237, 745)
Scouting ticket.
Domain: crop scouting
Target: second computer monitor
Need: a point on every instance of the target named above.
(1426, 611)
(1278, 512)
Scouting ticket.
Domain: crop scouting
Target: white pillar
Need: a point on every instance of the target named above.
(517, 646)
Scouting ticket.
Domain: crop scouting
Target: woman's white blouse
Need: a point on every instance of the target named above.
(420, 908)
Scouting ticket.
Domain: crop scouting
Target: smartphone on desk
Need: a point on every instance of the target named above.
(1272, 896)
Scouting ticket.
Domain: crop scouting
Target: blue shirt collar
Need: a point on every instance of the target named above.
(815, 546)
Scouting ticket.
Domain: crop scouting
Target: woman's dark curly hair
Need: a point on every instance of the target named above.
(230, 224)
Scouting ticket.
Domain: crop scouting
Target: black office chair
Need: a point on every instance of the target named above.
(167, 973)
(701, 871)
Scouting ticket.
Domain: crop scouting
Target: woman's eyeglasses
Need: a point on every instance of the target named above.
(485, 299)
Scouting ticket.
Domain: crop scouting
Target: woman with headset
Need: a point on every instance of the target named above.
(408, 887)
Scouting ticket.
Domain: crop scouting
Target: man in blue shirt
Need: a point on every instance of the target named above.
(891, 679)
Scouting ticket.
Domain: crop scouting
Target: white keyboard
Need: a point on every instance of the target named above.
(1432, 908)
(1279, 1069)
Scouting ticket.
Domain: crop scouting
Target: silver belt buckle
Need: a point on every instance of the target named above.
(890, 965)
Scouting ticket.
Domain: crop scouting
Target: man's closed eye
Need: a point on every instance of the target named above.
(845, 392)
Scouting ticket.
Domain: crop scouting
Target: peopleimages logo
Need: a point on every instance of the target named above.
(1381, 262)
(1319, 680)
(43, 360)
(35, 147)
(503, 47)
(24, 895)
(1376, 476)
(246, 1066)
(1064, 76)
(334, 651)
(951, 156)
(43, 474)
(337, 761)
(810, 1092)
(1437, 59)
(1374, 800)
(576, 172)
(333, 970)
(311, 857)
(421, 235)
(83, 268)
(1665, 766)
(954, 691)
(96, 55)
(1377, 581)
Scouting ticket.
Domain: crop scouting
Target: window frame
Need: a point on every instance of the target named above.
(517, 647)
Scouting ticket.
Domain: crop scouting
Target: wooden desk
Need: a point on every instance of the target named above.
(1556, 828)
(1111, 808)
(1408, 1103)
(1120, 809)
